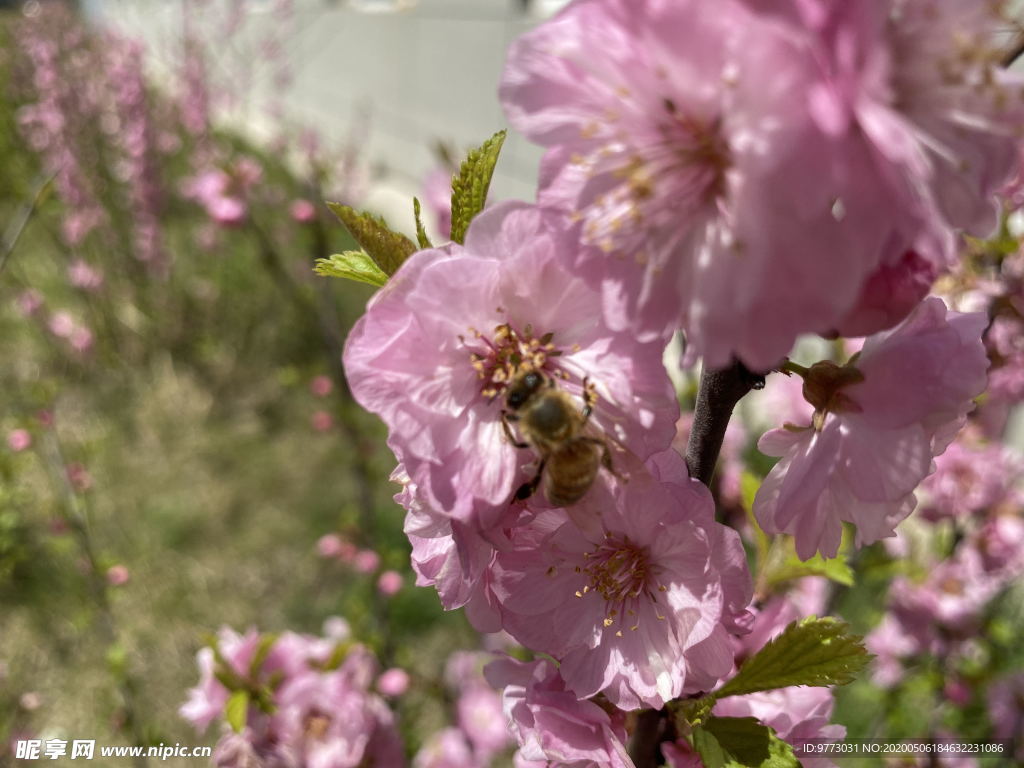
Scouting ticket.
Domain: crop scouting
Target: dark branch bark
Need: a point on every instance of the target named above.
(645, 743)
(718, 394)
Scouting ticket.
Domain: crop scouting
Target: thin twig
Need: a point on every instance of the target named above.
(77, 515)
(15, 229)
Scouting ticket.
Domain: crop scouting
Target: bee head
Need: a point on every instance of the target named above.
(522, 388)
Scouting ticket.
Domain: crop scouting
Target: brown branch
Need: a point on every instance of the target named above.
(1014, 52)
(718, 394)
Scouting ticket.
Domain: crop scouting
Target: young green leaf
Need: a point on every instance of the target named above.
(812, 651)
(421, 232)
(469, 187)
(792, 567)
(262, 651)
(388, 249)
(237, 710)
(353, 265)
(731, 742)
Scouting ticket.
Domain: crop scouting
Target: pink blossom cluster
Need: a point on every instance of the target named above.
(223, 191)
(323, 702)
(310, 701)
(769, 169)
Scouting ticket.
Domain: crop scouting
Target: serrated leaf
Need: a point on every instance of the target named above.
(811, 651)
(387, 248)
(470, 185)
(237, 710)
(352, 265)
(731, 742)
(421, 232)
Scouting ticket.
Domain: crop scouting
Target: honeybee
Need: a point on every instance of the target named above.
(551, 423)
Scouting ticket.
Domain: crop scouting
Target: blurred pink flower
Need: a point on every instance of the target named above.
(393, 682)
(28, 302)
(79, 477)
(479, 715)
(505, 296)
(1006, 710)
(551, 723)
(117, 575)
(389, 583)
(322, 421)
(872, 440)
(302, 211)
(366, 561)
(321, 386)
(61, 324)
(333, 545)
(81, 339)
(19, 440)
(447, 748)
(82, 275)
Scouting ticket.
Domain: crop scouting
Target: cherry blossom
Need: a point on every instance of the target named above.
(878, 423)
(439, 343)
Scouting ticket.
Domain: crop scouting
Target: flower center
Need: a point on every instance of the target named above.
(498, 357)
(620, 571)
(671, 173)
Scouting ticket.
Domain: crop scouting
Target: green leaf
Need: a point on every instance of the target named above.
(262, 651)
(730, 742)
(388, 249)
(811, 651)
(421, 232)
(237, 710)
(469, 187)
(353, 265)
(792, 567)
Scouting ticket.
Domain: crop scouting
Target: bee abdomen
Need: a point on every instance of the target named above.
(570, 472)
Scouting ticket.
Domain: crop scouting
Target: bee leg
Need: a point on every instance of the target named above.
(606, 457)
(588, 399)
(526, 490)
(506, 417)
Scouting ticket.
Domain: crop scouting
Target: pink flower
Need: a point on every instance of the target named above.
(389, 583)
(969, 479)
(393, 682)
(879, 422)
(889, 295)
(921, 86)
(28, 302)
(117, 575)
(796, 714)
(82, 275)
(332, 545)
(480, 717)
(81, 339)
(807, 597)
(227, 211)
(366, 561)
(19, 440)
(708, 195)
(79, 477)
(437, 344)
(62, 324)
(447, 748)
(321, 386)
(302, 211)
(891, 644)
(1006, 709)
(635, 593)
(206, 701)
(322, 421)
(551, 724)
